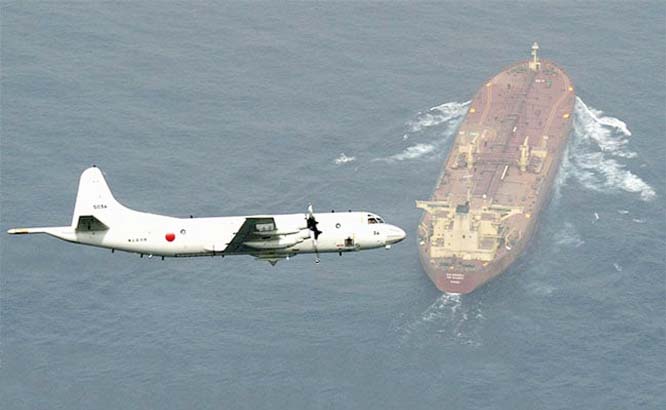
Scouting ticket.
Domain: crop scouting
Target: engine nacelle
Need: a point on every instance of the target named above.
(282, 242)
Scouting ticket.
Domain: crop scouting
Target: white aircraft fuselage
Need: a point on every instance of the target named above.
(99, 220)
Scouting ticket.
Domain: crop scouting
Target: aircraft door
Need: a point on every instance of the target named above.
(347, 242)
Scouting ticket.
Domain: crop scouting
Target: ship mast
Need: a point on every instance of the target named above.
(535, 64)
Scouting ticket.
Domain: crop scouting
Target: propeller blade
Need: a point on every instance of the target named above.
(314, 232)
(312, 222)
(313, 236)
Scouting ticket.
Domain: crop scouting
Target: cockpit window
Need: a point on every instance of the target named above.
(372, 220)
(375, 220)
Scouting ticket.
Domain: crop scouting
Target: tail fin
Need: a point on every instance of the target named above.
(96, 209)
(94, 202)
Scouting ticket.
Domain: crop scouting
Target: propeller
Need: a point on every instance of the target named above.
(314, 232)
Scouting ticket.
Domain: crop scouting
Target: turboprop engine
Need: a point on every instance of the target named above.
(280, 242)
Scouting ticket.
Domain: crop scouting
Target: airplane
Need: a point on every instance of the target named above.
(99, 220)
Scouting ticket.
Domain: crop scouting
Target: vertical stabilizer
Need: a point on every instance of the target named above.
(96, 210)
(94, 198)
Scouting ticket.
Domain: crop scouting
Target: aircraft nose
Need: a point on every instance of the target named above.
(395, 235)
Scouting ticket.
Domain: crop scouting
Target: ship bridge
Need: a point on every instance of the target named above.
(464, 232)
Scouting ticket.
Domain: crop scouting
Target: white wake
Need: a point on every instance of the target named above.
(437, 125)
(412, 152)
(568, 236)
(596, 155)
(448, 319)
(437, 115)
(343, 159)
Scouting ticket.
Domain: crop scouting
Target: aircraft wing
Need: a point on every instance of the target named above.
(253, 229)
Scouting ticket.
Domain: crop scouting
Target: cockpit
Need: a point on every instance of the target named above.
(375, 219)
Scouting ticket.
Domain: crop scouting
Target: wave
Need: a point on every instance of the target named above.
(541, 289)
(343, 159)
(437, 124)
(595, 153)
(447, 319)
(568, 236)
(437, 115)
(413, 152)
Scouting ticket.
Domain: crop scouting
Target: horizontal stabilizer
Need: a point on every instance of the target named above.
(62, 232)
(25, 231)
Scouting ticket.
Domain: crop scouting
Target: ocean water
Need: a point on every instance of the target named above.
(240, 108)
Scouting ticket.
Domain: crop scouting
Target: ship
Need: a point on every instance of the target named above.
(498, 176)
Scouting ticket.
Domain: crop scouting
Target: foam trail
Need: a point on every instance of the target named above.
(568, 236)
(413, 152)
(343, 159)
(447, 319)
(594, 156)
(437, 115)
(438, 123)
